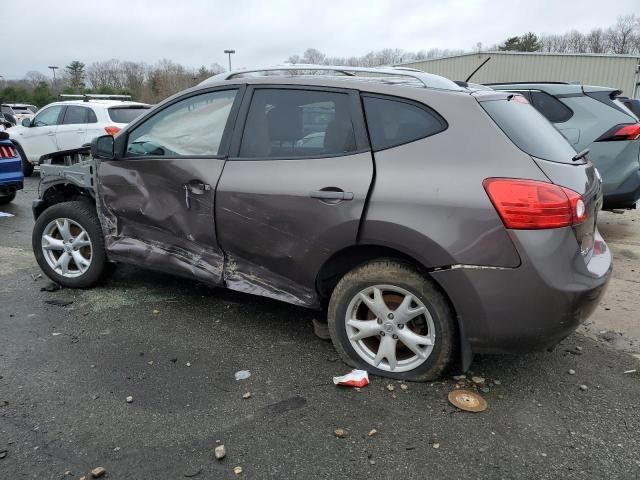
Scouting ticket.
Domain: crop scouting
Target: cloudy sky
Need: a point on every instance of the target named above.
(195, 32)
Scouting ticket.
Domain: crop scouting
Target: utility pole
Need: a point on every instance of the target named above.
(229, 52)
(53, 69)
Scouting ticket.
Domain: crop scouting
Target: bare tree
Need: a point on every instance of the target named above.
(35, 78)
(621, 35)
(596, 41)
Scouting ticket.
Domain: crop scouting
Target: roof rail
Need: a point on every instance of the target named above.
(428, 80)
(97, 96)
(575, 82)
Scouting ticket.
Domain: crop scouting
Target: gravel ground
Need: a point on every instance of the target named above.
(174, 346)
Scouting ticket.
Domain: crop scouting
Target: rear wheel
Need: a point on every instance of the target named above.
(7, 197)
(69, 246)
(388, 319)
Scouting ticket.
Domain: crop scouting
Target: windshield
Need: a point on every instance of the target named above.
(126, 114)
(529, 130)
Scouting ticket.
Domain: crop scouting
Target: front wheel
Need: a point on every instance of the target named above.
(388, 319)
(27, 166)
(69, 246)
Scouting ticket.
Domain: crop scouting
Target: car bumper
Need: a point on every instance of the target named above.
(626, 195)
(11, 181)
(535, 305)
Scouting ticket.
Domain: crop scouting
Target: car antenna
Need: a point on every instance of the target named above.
(476, 70)
(580, 155)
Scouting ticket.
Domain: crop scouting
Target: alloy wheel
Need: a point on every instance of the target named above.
(390, 328)
(66, 247)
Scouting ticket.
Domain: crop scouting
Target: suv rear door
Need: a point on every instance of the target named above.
(294, 189)
(72, 131)
(157, 201)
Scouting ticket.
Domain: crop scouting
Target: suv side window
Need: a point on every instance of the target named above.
(394, 122)
(75, 115)
(284, 123)
(47, 117)
(550, 107)
(92, 116)
(190, 127)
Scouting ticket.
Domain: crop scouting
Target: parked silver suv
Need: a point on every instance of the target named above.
(428, 220)
(594, 118)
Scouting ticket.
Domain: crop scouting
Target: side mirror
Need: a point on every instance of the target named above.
(26, 122)
(103, 147)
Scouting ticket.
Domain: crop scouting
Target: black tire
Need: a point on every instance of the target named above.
(85, 215)
(27, 166)
(7, 198)
(404, 276)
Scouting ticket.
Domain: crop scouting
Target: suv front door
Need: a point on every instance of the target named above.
(293, 191)
(40, 138)
(158, 200)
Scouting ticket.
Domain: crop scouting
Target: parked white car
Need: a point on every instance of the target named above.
(70, 124)
(19, 111)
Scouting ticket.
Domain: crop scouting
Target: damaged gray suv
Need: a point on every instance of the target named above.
(430, 221)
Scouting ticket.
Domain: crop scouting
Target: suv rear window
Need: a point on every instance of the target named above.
(394, 122)
(550, 107)
(126, 114)
(528, 129)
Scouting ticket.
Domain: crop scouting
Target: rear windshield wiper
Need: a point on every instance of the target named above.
(580, 155)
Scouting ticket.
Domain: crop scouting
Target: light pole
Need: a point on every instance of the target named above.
(229, 52)
(53, 69)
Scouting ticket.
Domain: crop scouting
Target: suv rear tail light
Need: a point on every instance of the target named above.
(534, 205)
(621, 132)
(112, 130)
(7, 151)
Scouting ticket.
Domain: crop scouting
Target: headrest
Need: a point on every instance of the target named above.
(285, 123)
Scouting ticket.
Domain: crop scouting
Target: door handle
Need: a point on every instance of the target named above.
(195, 187)
(331, 195)
(50, 133)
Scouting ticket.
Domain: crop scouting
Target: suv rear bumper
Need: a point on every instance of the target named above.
(534, 306)
(626, 195)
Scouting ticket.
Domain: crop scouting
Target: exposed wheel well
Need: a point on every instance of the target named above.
(349, 258)
(62, 192)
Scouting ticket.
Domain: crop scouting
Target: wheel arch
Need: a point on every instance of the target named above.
(350, 257)
(58, 193)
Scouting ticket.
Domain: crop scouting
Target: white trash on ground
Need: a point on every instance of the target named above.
(242, 374)
(355, 378)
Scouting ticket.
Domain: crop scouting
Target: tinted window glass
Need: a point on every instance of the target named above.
(529, 130)
(393, 122)
(193, 126)
(75, 115)
(92, 117)
(126, 114)
(48, 116)
(551, 107)
(297, 123)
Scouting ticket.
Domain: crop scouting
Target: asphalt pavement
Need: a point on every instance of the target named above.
(174, 346)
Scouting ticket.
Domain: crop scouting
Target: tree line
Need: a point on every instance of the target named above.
(152, 83)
